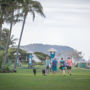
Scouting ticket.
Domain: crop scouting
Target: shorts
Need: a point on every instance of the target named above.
(69, 67)
(54, 68)
(47, 67)
(62, 68)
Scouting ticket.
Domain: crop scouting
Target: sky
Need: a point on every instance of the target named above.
(67, 23)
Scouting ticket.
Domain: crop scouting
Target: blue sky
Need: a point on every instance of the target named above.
(67, 23)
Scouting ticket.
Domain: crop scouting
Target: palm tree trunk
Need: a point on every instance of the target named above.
(1, 22)
(20, 40)
(8, 41)
(0, 32)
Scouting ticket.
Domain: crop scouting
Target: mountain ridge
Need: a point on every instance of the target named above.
(38, 47)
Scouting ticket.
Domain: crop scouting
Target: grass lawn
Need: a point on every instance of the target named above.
(24, 80)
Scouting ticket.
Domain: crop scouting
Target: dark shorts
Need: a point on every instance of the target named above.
(62, 68)
(47, 67)
(69, 67)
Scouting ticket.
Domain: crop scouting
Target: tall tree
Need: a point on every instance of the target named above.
(6, 6)
(12, 18)
(1, 27)
(2, 13)
(5, 33)
(29, 6)
(7, 45)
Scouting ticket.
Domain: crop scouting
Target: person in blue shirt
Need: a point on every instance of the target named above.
(54, 66)
(47, 65)
(62, 66)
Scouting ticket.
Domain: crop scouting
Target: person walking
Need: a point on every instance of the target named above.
(47, 65)
(69, 67)
(54, 66)
(62, 66)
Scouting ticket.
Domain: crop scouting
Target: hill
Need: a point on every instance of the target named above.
(44, 48)
(62, 51)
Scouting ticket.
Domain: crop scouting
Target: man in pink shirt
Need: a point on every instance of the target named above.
(69, 67)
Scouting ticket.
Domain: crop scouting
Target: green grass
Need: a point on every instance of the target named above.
(24, 80)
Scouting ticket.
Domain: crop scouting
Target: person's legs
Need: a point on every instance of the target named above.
(54, 70)
(50, 67)
(63, 69)
(70, 71)
(64, 72)
(20, 63)
(60, 70)
(48, 71)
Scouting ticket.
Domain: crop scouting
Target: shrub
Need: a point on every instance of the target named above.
(1, 57)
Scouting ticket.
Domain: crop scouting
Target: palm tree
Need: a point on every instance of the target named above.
(1, 27)
(5, 33)
(2, 13)
(7, 9)
(7, 46)
(29, 6)
(6, 6)
(13, 18)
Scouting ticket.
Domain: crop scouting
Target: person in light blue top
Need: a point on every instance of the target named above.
(47, 65)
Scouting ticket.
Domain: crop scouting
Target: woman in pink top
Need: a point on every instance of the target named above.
(69, 67)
